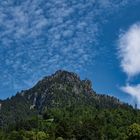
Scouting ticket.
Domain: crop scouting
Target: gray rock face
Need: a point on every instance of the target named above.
(67, 83)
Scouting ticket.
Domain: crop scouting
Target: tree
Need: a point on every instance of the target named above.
(133, 132)
(42, 135)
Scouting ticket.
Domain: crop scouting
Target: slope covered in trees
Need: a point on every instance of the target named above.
(62, 106)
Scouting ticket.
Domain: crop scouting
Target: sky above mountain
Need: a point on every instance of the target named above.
(97, 39)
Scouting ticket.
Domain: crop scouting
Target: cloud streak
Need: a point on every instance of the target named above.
(133, 91)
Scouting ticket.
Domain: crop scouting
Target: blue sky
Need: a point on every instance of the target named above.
(98, 39)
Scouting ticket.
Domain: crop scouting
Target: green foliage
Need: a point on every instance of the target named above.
(59, 138)
(42, 135)
(134, 132)
(63, 107)
(78, 123)
(25, 135)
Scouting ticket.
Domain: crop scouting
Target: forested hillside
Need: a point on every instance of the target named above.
(62, 106)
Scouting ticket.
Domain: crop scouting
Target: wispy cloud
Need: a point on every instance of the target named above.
(134, 91)
(38, 37)
(129, 53)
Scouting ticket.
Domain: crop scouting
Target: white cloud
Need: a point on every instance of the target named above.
(129, 53)
(129, 50)
(133, 91)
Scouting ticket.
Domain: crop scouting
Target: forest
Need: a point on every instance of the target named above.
(64, 107)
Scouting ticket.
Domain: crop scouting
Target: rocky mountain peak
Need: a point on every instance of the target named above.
(61, 83)
(66, 76)
(61, 80)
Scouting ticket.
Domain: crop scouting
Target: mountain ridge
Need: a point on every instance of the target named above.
(61, 89)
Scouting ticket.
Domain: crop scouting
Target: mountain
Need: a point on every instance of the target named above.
(60, 89)
(76, 111)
